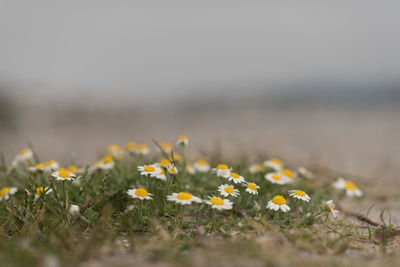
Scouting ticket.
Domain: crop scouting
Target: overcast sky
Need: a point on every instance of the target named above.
(153, 47)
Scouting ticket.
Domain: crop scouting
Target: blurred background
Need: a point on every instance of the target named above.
(313, 82)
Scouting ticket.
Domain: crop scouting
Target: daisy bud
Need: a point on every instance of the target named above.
(74, 210)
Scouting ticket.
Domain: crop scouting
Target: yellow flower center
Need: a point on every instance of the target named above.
(4, 191)
(115, 148)
(166, 146)
(142, 147)
(299, 193)
(276, 161)
(329, 206)
(149, 169)
(130, 145)
(108, 159)
(252, 187)
(279, 200)
(39, 190)
(24, 151)
(51, 162)
(229, 190)
(177, 156)
(141, 192)
(350, 186)
(276, 177)
(39, 166)
(184, 196)
(182, 138)
(96, 164)
(222, 167)
(172, 170)
(235, 175)
(63, 173)
(201, 162)
(217, 201)
(73, 169)
(165, 162)
(288, 173)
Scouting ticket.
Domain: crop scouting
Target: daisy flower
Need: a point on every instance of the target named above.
(95, 166)
(228, 190)
(172, 169)
(305, 173)
(115, 150)
(177, 156)
(63, 175)
(107, 162)
(74, 169)
(6, 192)
(252, 188)
(37, 167)
(255, 168)
(235, 178)
(161, 175)
(51, 165)
(130, 146)
(151, 170)
(42, 190)
(351, 188)
(201, 165)
(139, 193)
(275, 164)
(183, 198)
(288, 175)
(182, 140)
(142, 150)
(190, 169)
(23, 155)
(331, 207)
(299, 195)
(278, 202)
(219, 203)
(166, 147)
(164, 163)
(275, 178)
(221, 170)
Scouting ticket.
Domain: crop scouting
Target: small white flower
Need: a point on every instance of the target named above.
(166, 147)
(163, 162)
(228, 190)
(37, 167)
(183, 198)
(219, 203)
(331, 207)
(142, 150)
(252, 188)
(161, 175)
(190, 169)
(257, 167)
(74, 210)
(115, 150)
(131, 146)
(63, 175)
(299, 195)
(151, 170)
(51, 165)
(42, 190)
(201, 165)
(23, 155)
(288, 175)
(139, 193)
(107, 162)
(305, 173)
(235, 178)
(6, 192)
(275, 164)
(172, 169)
(221, 170)
(276, 178)
(278, 202)
(350, 187)
(182, 140)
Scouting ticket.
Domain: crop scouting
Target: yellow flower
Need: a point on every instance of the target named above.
(182, 140)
